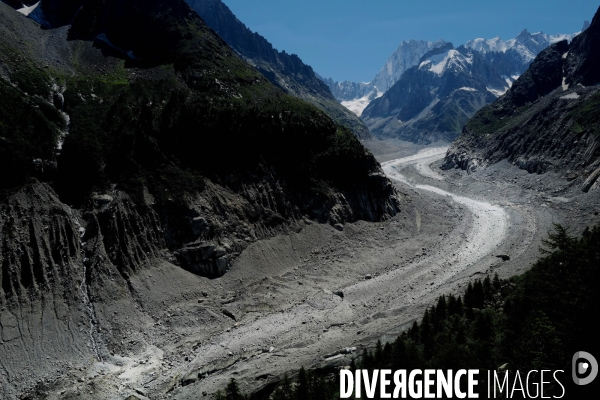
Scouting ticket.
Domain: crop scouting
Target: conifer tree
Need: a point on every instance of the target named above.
(301, 392)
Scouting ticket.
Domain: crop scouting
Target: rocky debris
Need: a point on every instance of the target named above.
(339, 293)
(368, 276)
(40, 245)
(591, 180)
(504, 257)
(339, 227)
(131, 234)
(229, 314)
(189, 379)
(203, 258)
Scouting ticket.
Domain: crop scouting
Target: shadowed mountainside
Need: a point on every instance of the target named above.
(286, 71)
(548, 120)
(137, 138)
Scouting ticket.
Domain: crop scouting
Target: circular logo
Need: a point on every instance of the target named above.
(585, 368)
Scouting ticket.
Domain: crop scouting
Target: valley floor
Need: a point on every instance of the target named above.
(276, 309)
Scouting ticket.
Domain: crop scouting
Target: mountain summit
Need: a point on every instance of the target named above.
(434, 99)
(356, 96)
(498, 64)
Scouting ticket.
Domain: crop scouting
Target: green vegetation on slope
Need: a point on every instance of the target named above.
(29, 123)
(587, 116)
(494, 117)
(178, 109)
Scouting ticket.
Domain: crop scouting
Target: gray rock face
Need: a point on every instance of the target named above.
(485, 68)
(347, 90)
(40, 244)
(547, 121)
(434, 99)
(407, 55)
(505, 61)
(80, 284)
(40, 299)
(404, 57)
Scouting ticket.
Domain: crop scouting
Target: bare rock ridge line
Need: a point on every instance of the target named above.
(428, 91)
(287, 71)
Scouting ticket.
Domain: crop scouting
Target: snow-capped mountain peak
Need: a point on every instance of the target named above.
(439, 63)
(526, 44)
(405, 56)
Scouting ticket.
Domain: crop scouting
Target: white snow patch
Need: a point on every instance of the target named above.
(439, 62)
(570, 96)
(468, 89)
(28, 10)
(357, 106)
(565, 85)
(564, 56)
(509, 80)
(560, 37)
(525, 48)
(496, 92)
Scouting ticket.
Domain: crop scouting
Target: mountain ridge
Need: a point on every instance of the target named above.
(287, 71)
(434, 99)
(510, 58)
(548, 119)
(124, 158)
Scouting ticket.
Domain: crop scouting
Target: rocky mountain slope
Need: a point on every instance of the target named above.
(519, 51)
(505, 60)
(433, 100)
(548, 120)
(357, 95)
(286, 71)
(135, 138)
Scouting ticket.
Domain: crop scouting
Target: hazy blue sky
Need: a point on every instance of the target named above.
(351, 39)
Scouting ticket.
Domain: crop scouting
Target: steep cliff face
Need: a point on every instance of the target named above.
(40, 245)
(41, 303)
(286, 71)
(548, 120)
(172, 153)
(433, 100)
(407, 55)
(145, 98)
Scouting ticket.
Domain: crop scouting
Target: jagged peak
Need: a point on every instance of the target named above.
(586, 24)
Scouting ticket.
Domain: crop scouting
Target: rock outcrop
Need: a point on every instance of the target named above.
(135, 140)
(548, 120)
(434, 99)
